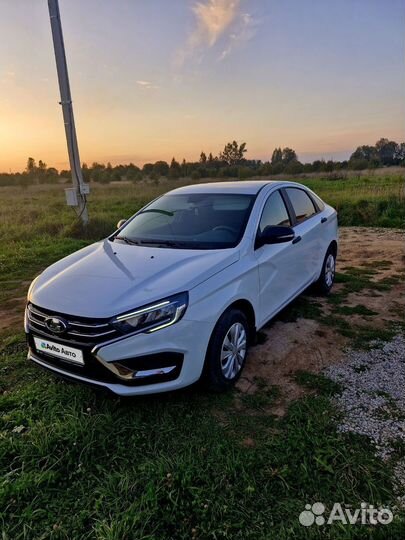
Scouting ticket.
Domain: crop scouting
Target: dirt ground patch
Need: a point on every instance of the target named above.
(12, 314)
(311, 344)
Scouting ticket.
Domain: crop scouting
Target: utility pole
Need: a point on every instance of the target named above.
(75, 196)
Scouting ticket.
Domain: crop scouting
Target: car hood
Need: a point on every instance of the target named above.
(108, 278)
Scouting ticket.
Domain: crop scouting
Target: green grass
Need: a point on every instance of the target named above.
(316, 381)
(37, 228)
(357, 279)
(374, 201)
(84, 465)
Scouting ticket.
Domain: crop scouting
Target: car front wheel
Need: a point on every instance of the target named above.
(227, 350)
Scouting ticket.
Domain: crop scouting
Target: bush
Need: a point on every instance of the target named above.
(358, 164)
(174, 173)
(387, 213)
(277, 168)
(294, 167)
(245, 172)
(137, 177)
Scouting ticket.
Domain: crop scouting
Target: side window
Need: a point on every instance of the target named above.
(319, 202)
(274, 213)
(302, 204)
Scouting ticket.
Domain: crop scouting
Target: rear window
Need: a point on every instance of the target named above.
(302, 203)
(318, 201)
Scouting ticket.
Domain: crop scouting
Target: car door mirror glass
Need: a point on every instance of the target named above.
(275, 235)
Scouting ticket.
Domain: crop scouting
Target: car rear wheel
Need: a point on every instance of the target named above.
(227, 350)
(327, 277)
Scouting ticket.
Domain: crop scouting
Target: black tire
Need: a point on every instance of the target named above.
(326, 279)
(213, 375)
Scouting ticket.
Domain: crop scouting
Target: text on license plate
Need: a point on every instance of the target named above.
(61, 351)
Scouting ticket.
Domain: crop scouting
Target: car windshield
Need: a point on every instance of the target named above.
(190, 221)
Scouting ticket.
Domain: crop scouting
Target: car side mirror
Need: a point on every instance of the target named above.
(275, 235)
(121, 223)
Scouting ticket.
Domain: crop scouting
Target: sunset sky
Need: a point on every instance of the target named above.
(152, 79)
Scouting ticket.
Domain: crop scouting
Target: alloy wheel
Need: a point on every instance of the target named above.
(233, 350)
(330, 270)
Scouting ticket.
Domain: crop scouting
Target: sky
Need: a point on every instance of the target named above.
(153, 79)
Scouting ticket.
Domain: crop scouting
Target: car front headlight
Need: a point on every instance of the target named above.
(154, 316)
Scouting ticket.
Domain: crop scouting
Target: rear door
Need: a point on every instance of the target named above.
(307, 223)
(279, 274)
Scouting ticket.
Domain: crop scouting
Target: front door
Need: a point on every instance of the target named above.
(280, 271)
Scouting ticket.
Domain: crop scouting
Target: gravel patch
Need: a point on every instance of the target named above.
(373, 396)
(373, 399)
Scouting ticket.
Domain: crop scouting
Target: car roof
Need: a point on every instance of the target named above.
(248, 187)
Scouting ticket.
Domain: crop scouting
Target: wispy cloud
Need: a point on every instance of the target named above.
(245, 30)
(148, 85)
(217, 20)
(213, 18)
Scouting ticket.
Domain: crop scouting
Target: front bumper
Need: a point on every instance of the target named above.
(166, 360)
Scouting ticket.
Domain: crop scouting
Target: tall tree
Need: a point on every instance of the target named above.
(147, 168)
(233, 153)
(175, 169)
(277, 156)
(86, 172)
(161, 168)
(365, 151)
(31, 165)
(386, 150)
(288, 155)
(41, 167)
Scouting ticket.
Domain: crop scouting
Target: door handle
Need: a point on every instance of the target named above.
(324, 219)
(296, 240)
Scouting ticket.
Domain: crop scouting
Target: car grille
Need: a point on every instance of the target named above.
(79, 330)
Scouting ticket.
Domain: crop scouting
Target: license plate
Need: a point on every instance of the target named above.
(60, 351)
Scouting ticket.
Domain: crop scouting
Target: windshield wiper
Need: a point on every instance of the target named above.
(164, 243)
(160, 243)
(127, 240)
(157, 211)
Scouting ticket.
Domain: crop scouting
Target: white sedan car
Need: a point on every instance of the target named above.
(179, 290)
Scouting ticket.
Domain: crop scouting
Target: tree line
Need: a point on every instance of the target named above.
(230, 163)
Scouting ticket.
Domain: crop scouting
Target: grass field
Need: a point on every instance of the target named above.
(80, 464)
(37, 228)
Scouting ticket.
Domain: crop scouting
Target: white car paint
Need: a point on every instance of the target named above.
(106, 279)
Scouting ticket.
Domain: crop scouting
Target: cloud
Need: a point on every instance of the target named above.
(213, 18)
(217, 20)
(147, 85)
(245, 30)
